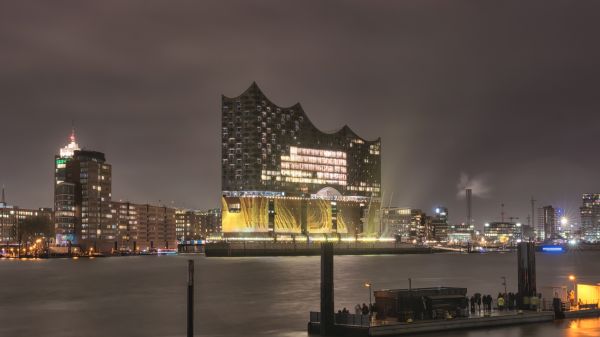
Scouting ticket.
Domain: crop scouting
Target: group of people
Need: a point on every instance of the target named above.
(363, 309)
(508, 301)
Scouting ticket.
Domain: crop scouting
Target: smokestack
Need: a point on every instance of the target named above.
(3, 202)
(468, 193)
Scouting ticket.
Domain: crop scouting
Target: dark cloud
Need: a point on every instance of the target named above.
(505, 89)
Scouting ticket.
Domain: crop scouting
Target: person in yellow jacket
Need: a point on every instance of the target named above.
(500, 302)
(535, 302)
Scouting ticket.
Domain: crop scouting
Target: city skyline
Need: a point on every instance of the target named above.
(154, 108)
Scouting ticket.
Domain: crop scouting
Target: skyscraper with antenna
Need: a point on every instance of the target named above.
(82, 196)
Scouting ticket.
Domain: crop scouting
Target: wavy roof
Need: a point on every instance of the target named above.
(345, 130)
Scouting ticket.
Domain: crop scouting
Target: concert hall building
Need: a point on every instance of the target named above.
(281, 175)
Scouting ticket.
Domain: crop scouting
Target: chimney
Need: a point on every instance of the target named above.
(468, 193)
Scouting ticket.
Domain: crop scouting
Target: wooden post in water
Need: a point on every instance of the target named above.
(190, 299)
(327, 304)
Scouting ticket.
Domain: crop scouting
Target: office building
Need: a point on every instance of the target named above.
(439, 224)
(546, 222)
(461, 233)
(281, 175)
(82, 196)
(504, 233)
(406, 224)
(590, 217)
(13, 218)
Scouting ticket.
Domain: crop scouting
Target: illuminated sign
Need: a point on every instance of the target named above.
(552, 249)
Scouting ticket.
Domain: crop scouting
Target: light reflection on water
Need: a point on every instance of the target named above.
(145, 296)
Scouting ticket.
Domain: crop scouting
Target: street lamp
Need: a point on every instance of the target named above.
(368, 285)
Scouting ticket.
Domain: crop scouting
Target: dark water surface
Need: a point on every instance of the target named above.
(145, 295)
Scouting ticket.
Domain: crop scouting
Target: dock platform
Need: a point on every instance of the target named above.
(387, 328)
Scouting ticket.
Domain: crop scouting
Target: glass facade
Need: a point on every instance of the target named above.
(280, 174)
(270, 148)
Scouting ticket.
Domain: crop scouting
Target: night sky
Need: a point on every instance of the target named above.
(500, 95)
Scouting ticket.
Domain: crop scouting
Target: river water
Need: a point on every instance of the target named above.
(272, 296)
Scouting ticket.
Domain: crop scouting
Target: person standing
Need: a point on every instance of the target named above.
(500, 300)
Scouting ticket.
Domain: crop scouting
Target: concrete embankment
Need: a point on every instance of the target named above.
(236, 249)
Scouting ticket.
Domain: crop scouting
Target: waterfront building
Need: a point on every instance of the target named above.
(281, 175)
(156, 227)
(143, 226)
(590, 217)
(397, 222)
(64, 194)
(186, 225)
(210, 222)
(461, 233)
(505, 233)
(406, 224)
(13, 218)
(82, 196)
(197, 224)
(439, 224)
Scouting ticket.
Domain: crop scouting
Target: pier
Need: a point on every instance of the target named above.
(426, 310)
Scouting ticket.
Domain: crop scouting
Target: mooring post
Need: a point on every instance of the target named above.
(327, 306)
(526, 272)
(190, 299)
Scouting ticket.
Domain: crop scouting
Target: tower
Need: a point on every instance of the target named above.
(82, 196)
(468, 193)
(64, 193)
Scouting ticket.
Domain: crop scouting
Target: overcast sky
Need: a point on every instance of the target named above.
(503, 95)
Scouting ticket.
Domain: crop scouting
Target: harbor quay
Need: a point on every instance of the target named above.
(435, 309)
(307, 248)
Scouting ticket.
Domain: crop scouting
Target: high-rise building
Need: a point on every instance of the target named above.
(546, 222)
(590, 217)
(64, 194)
(82, 197)
(281, 175)
(439, 224)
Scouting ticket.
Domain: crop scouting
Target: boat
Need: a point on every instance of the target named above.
(166, 251)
